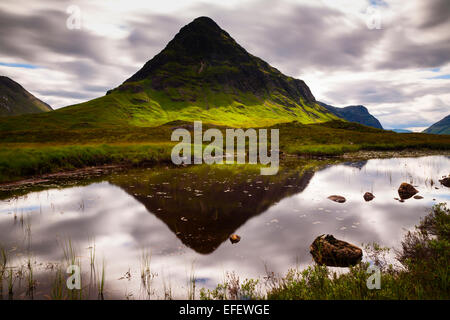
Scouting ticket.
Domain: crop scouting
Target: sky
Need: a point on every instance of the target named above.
(392, 56)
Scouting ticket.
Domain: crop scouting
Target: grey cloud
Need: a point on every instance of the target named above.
(65, 94)
(367, 92)
(149, 35)
(379, 91)
(437, 12)
(419, 38)
(300, 38)
(405, 54)
(33, 36)
(94, 88)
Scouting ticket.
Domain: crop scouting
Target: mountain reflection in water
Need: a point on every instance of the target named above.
(203, 206)
(184, 217)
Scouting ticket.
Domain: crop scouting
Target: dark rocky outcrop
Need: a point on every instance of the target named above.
(406, 191)
(329, 251)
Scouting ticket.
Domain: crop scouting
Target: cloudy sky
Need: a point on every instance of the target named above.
(393, 56)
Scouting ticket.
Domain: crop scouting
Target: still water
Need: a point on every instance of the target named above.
(183, 217)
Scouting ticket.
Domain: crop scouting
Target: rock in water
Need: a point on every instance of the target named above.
(445, 181)
(335, 198)
(234, 238)
(368, 196)
(329, 251)
(418, 197)
(406, 191)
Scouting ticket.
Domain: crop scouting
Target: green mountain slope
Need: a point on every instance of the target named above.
(358, 114)
(15, 100)
(202, 74)
(440, 127)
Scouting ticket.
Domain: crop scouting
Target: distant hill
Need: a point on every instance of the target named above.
(400, 130)
(15, 100)
(202, 74)
(358, 114)
(440, 127)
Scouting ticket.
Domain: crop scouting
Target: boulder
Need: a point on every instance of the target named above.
(234, 238)
(418, 197)
(368, 196)
(445, 181)
(335, 198)
(329, 251)
(406, 191)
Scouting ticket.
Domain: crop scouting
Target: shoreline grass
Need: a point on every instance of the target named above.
(27, 154)
(21, 162)
(423, 273)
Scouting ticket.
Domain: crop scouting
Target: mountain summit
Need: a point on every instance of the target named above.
(203, 52)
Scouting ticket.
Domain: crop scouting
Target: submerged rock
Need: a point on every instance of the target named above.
(329, 251)
(368, 196)
(234, 238)
(335, 198)
(406, 191)
(445, 181)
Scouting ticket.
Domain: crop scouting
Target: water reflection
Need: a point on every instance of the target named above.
(203, 206)
(184, 217)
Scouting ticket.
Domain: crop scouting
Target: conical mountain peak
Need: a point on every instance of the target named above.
(204, 55)
(205, 23)
(201, 42)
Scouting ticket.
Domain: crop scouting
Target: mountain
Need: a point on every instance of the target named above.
(202, 74)
(400, 130)
(15, 100)
(358, 114)
(440, 127)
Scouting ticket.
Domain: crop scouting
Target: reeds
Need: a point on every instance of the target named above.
(147, 276)
(101, 282)
(191, 283)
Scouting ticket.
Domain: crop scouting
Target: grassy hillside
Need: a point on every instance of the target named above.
(15, 100)
(150, 107)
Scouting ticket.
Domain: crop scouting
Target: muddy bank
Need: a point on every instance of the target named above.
(74, 177)
(407, 153)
